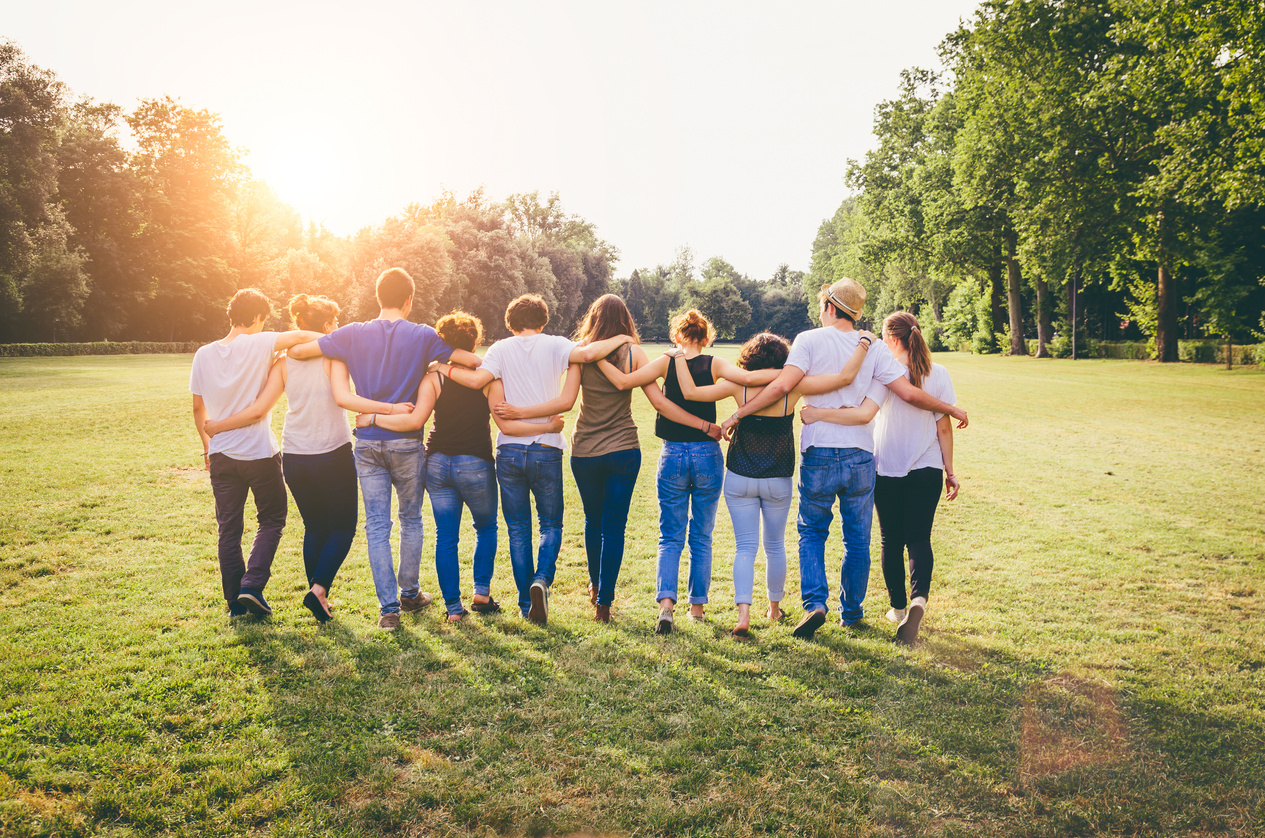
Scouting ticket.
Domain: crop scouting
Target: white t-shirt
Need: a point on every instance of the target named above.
(228, 377)
(531, 368)
(827, 350)
(905, 436)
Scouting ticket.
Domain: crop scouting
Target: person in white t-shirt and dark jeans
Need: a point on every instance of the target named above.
(838, 460)
(226, 377)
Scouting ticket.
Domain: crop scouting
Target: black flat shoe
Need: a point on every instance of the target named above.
(314, 605)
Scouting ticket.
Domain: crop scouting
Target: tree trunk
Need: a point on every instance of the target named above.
(1229, 354)
(1045, 331)
(998, 296)
(1013, 280)
(1071, 305)
(1166, 316)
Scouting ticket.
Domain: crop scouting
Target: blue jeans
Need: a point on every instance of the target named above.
(689, 482)
(523, 472)
(451, 482)
(381, 464)
(749, 499)
(606, 488)
(824, 474)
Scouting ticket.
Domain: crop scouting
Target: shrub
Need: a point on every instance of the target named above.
(105, 347)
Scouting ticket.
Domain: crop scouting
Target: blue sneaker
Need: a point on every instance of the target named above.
(254, 601)
(236, 609)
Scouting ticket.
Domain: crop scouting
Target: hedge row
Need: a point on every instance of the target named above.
(1192, 351)
(105, 347)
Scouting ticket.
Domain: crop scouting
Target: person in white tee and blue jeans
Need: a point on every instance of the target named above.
(226, 377)
(837, 460)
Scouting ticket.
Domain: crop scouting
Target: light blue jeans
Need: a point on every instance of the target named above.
(824, 474)
(689, 482)
(451, 483)
(749, 499)
(382, 464)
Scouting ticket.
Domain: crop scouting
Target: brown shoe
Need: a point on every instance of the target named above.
(416, 603)
(389, 622)
(808, 626)
(602, 614)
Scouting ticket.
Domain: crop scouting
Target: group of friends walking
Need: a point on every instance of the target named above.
(858, 445)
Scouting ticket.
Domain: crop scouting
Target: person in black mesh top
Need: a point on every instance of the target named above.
(760, 466)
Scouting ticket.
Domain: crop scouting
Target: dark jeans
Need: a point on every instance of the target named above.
(906, 508)
(324, 489)
(231, 480)
(524, 472)
(606, 487)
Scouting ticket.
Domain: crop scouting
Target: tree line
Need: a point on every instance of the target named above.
(1092, 168)
(140, 225)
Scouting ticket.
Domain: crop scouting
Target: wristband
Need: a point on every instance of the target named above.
(373, 419)
(866, 341)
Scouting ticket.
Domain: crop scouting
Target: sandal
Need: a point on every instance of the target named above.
(489, 607)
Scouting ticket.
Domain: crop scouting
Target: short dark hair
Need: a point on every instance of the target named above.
(460, 330)
(246, 305)
(527, 312)
(765, 351)
(840, 314)
(394, 288)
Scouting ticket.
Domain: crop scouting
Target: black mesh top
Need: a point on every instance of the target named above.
(763, 446)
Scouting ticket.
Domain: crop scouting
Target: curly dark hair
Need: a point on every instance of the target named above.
(765, 351)
(460, 330)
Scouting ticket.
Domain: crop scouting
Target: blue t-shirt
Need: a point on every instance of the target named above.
(386, 360)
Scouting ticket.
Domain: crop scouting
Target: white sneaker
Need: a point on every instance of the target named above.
(539, 611)
(896, 615)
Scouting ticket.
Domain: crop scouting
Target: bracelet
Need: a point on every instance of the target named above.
(866, 341)
(373, 419)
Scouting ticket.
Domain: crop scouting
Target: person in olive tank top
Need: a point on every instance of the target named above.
(760, 467)
(460, 467)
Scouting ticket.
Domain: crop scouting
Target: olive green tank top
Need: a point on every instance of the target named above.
(605, 424)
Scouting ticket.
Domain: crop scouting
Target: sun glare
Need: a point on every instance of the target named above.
(303, 174)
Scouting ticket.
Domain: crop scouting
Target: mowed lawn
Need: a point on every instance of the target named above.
(1093, 664)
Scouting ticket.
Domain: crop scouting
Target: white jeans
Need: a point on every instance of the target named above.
(749, 499)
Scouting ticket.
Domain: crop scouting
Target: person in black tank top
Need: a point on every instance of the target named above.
(460, 468)
(758, 477)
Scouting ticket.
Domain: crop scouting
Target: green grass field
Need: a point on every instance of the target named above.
(1093, 664)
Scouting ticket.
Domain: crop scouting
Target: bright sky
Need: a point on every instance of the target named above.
(724, 126)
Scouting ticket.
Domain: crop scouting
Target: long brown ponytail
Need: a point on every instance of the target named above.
(903, 326)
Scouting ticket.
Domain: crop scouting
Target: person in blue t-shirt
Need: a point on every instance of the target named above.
(386, 359)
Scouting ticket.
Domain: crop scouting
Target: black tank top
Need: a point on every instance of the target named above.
(701, 371)
(763, 446)
(460, 426)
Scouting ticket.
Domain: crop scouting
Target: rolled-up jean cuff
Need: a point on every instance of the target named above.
(482, 590)
(662, 595)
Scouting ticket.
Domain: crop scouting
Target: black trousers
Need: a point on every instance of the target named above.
(324, 489)
(231, 481)
(906, 509)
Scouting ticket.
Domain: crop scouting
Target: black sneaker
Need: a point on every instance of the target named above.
(808, 626)
(254, 601)
(539, 611)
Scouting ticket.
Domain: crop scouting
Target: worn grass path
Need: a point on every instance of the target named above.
(1094, 660)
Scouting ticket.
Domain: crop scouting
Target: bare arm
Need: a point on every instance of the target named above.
(707, 392)
(814, 384)
(944, 430)
(273, 387)
(592, 352)
(559, 404)
(340, 383)
(427, 392)
(474, 379)
(785, 382)
(514, 427)
(199, 420)
(861, 415)
(640, 375)
(732, 372)
(298, 344)
(920, 398)
(465, 358)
